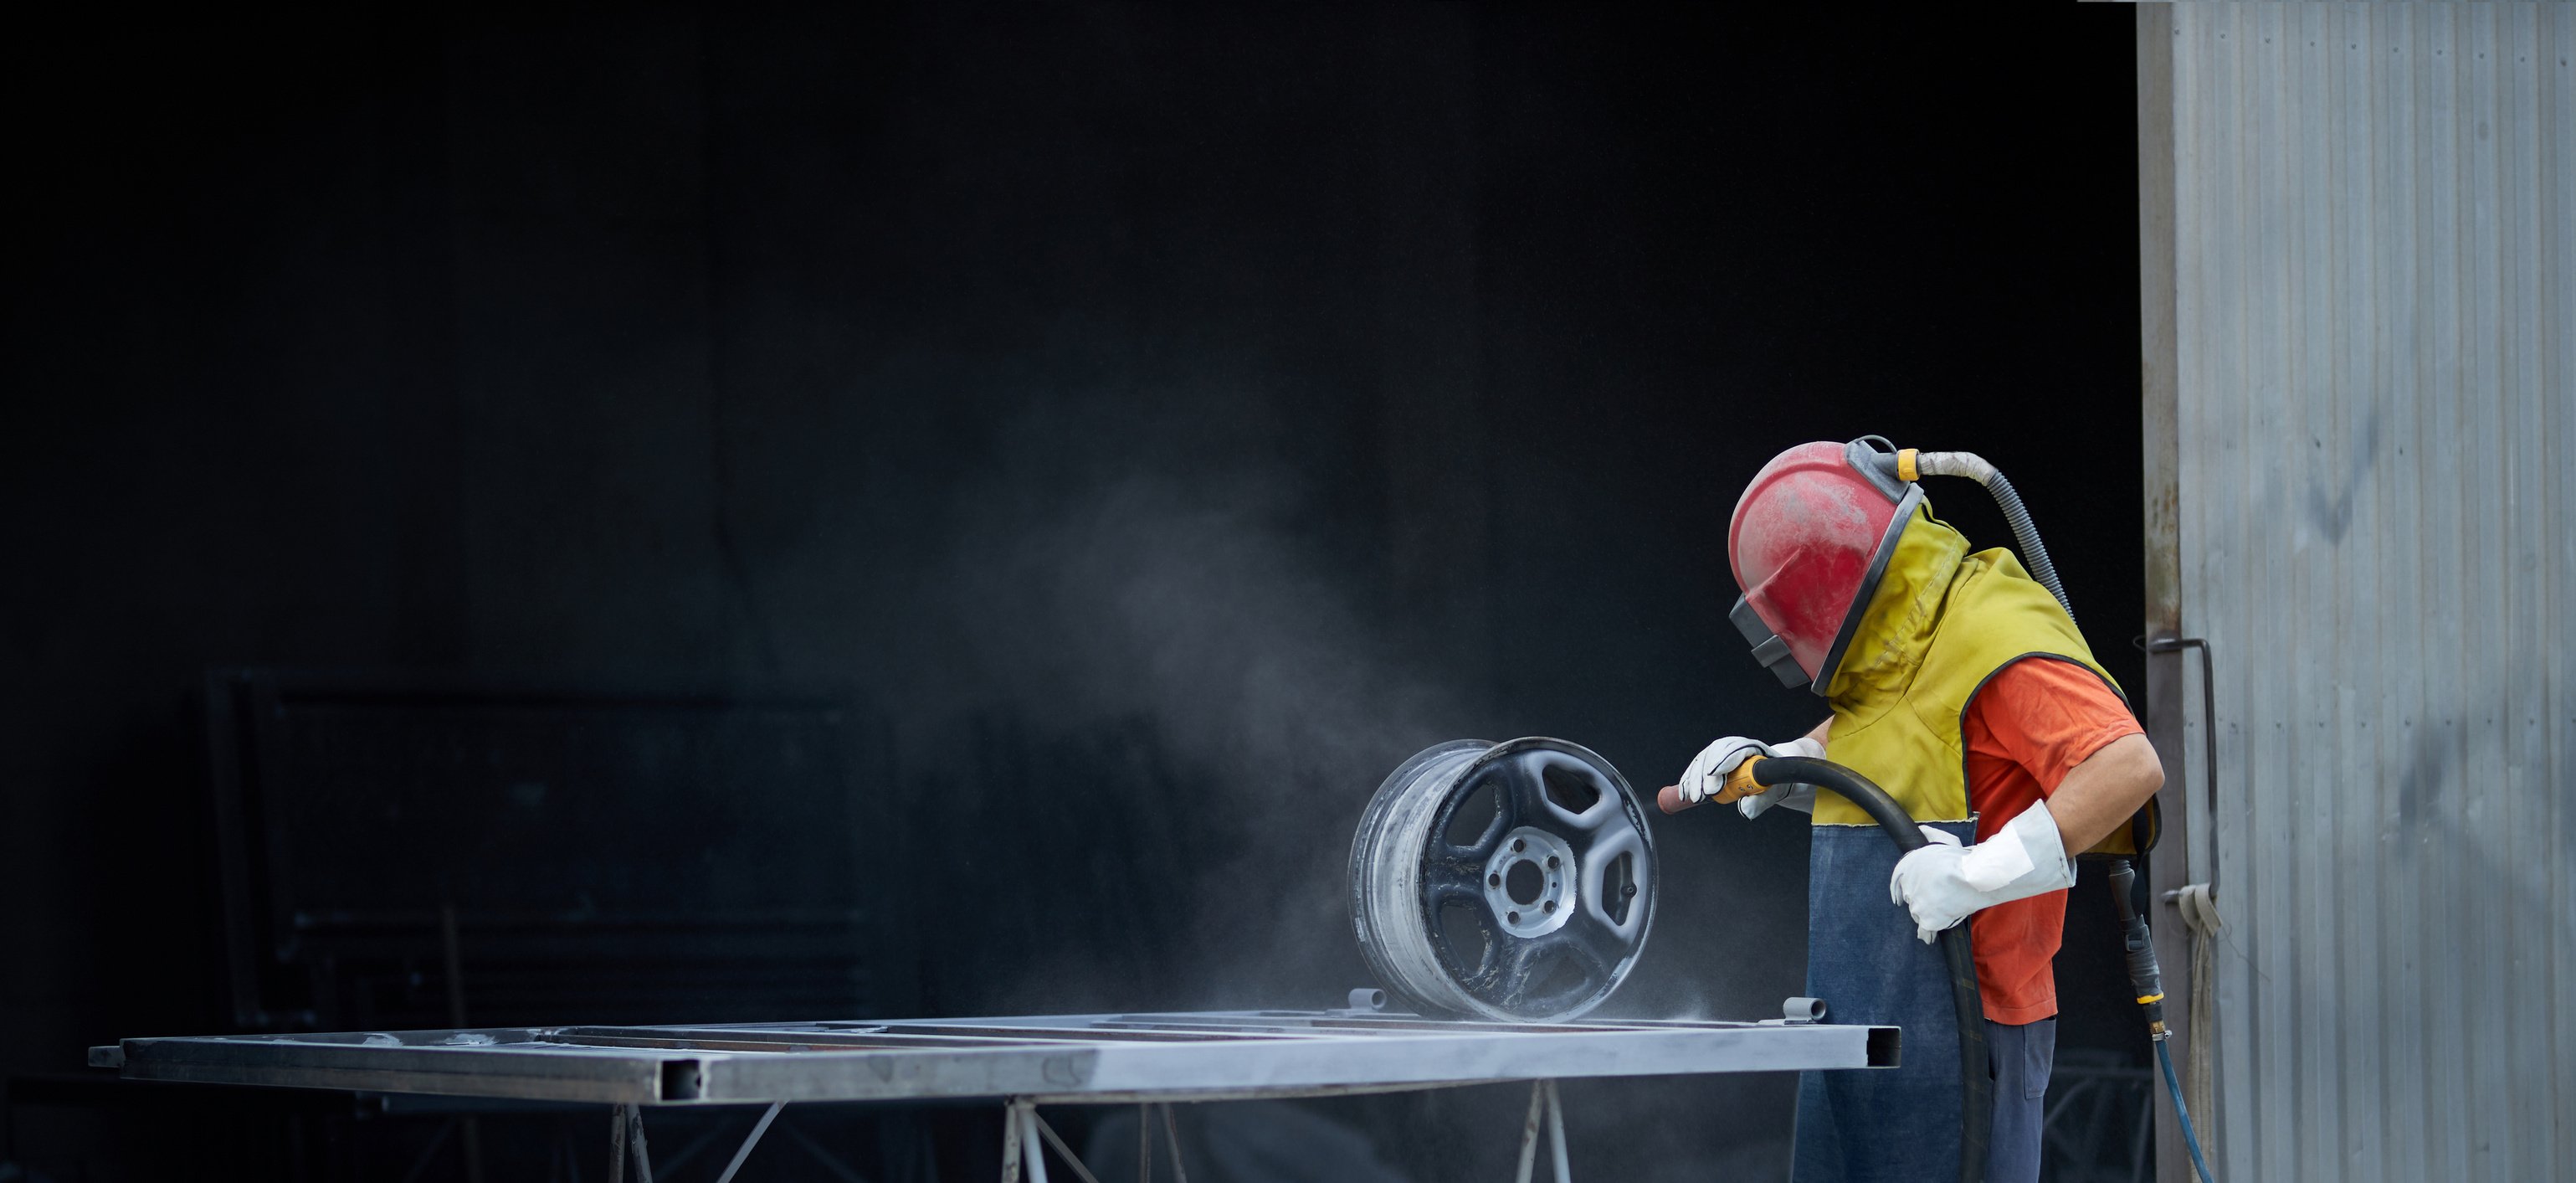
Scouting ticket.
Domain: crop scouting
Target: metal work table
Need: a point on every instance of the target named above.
(1028, 1061)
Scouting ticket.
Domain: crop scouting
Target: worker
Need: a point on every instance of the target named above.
(1960, 685)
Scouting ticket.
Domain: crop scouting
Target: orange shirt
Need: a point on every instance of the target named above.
(2031, 724)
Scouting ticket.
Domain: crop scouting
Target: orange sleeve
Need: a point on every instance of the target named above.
(2049, 716)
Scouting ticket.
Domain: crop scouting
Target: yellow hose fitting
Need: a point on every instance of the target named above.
(1739, 783)
(2151, 998)
(1905, 470)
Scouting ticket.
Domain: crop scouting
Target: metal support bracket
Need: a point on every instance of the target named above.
(2209, 753)
(1026, 1137)
(1544, 1101)
(1010, 1143)
(1172, 1138)
(626, 1141)
(758, 1128)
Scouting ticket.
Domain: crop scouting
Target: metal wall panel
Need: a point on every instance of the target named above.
(2373, 293)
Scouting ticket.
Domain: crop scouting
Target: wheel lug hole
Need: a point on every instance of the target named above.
(1549, 907)
(1519, 845)
(1493, 881)
(1551, 862)
(1513, 917)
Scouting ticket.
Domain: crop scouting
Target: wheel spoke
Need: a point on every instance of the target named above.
(1602, 946)
(1450, 870)
(1484, 843)
(1491, 945)
(1501, 979)
(1529, 786)
(1523, 791)
(1506, 811)
(1605, 814)
(1594, 843)
(1599, 845)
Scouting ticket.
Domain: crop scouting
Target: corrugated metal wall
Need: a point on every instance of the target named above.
(2373, 298)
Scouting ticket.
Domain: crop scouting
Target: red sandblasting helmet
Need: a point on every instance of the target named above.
(1808, 543)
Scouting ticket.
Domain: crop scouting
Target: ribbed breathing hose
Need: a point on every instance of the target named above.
(2034, 555)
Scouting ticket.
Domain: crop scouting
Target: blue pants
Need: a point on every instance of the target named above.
(2021, 1056)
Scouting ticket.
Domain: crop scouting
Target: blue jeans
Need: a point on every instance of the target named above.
(2021, 1056)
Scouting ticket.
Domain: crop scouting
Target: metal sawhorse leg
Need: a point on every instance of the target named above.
(626, 1141)
(1026, 1138)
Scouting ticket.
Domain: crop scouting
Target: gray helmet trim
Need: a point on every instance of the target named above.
(1874, 458)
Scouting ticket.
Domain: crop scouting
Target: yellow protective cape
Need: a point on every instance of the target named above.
(1941, 622)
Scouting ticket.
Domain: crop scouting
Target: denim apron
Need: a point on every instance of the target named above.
(1876, 1125)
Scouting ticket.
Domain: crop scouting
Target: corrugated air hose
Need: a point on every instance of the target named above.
(2034, 554)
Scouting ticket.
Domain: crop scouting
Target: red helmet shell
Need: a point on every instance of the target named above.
(1806, 543)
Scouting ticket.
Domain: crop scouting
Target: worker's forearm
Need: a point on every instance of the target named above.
(2105, 790)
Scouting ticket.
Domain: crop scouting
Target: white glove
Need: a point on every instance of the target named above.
(1943, 882)
(1707, 774)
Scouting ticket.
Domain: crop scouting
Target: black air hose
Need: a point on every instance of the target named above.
(1976, 1087)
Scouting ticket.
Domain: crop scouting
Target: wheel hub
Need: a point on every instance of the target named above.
(1530, 881)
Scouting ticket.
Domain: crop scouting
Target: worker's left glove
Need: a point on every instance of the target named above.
(1943, 882)
(1705, 779)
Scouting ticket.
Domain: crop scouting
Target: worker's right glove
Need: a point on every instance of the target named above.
(1705, 779)
(1943, 883)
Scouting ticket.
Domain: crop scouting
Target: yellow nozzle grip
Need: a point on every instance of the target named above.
(1739, 783)
(1905, 470)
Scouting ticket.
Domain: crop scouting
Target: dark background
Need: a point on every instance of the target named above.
(1167, 419)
